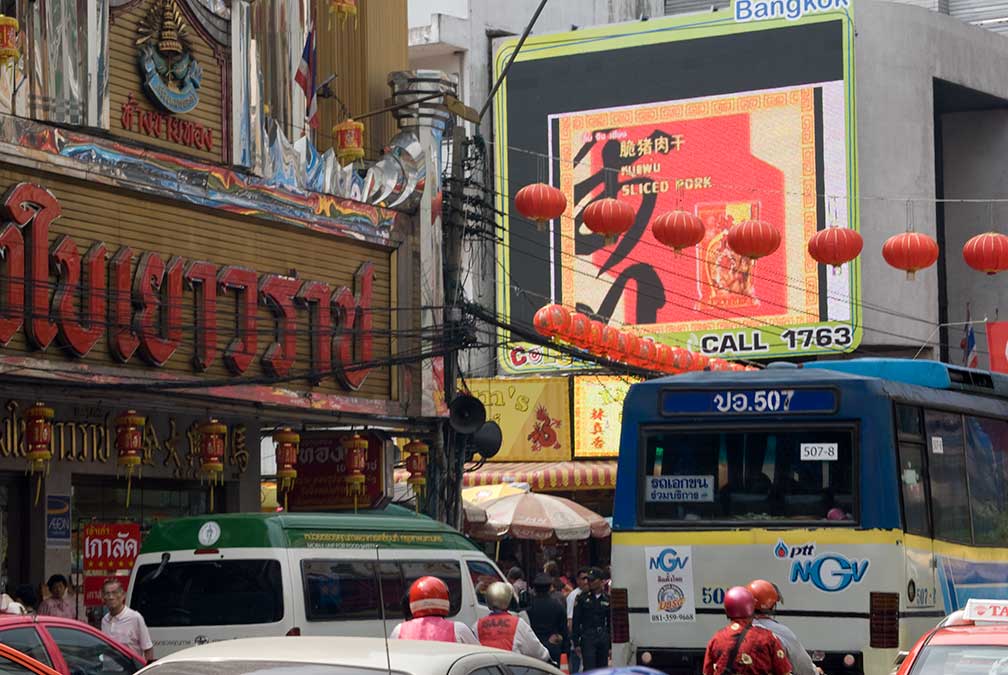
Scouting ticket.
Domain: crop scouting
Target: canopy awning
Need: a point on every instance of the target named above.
(541, 476)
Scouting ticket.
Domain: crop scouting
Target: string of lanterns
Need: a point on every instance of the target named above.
(416, 464)
(38, 439)
(287, 443)
(355, 458)
(557, 322)
(835, 246)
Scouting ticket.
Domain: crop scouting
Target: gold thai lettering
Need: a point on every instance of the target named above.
(171, 449)
(239, 449)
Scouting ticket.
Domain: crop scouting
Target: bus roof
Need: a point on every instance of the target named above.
(391, 527)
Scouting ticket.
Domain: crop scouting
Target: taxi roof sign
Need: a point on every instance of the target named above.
(986, 610)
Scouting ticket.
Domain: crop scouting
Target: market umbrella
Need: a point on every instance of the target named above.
(538, 516)
(474, 514)
(480, 494)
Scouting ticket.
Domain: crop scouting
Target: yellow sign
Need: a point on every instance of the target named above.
(533, 414)
(598, 411)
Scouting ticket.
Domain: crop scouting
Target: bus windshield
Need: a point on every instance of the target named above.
(796, 473)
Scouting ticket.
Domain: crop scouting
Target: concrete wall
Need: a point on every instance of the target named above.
(975, 146)
(900, 50)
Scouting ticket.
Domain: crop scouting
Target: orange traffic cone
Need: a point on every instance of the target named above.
(564, 666)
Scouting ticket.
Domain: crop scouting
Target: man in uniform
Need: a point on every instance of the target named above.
(548, 617)
(428, 606)
(741, 648)
(503, 630)
(590, 623)
(767, 596)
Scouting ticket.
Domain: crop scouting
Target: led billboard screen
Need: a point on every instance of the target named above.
(728, 121)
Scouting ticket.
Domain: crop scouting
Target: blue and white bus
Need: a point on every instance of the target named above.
(873, 492)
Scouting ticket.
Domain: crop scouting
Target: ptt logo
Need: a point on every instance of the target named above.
(784, 552)
(829, 572)
(667, 561)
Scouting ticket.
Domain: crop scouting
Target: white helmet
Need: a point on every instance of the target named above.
(498, 595)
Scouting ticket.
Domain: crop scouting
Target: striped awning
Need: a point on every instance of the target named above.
(541, 476)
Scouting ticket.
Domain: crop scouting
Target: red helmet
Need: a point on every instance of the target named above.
(428, 596)
(739, 603)
(765, 593)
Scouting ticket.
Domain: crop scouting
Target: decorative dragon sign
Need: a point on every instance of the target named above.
(170, 73)
(544, 433)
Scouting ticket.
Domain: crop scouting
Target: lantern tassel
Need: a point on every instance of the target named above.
(38, 488)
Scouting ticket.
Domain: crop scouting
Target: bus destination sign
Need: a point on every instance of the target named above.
(747, 401)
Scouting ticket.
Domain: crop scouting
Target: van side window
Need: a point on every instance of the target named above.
(342, 590)
(483, 574)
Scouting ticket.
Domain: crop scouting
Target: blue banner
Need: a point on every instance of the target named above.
(58, 521)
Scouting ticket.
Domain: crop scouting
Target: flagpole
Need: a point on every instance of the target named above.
(939, 326)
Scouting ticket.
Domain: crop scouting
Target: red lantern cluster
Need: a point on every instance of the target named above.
(678, 230)
(608, 217)
(987, 252)
(540, 202)
(129, 443)
(753, 238)
(38, 443)
(212, 435)
(835, 246)
(287, 443)
(355, 459)
(910, 252)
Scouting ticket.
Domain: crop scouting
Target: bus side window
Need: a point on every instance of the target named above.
(987, 462)
(950, 511)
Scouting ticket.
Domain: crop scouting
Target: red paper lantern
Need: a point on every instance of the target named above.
(38, 443)
(910, 251)
(344, 9)
(129, 443)
(212, 435)
(609, 345)
(540, 202)
(355, 459)
(700, 361)
(9, 51)
(647, 352)
(416, 464)
(631, 355)
(753, 238)
(987, 252)
(595, 336)
(665, 358)
(683, 359)
(835, 246)
(623, 349)
(608, 217)
(552, 320)
(287, 442)
(678, 230)
(349, 136)
(579, 332)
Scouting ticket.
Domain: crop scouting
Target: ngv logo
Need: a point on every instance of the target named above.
(667, 561)
(829, 572)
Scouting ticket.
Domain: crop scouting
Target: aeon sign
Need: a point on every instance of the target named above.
(828, 572)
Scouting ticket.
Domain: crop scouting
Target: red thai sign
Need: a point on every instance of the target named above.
(168, 127)
(109, 547)
(93, 588)
(142, 309)
(321, 468)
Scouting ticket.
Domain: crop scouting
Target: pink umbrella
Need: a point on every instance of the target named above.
(539, 516)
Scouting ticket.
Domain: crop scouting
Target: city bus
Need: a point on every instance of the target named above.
(872, 492)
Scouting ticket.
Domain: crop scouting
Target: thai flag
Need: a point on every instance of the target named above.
(305, 78)
(968, 344)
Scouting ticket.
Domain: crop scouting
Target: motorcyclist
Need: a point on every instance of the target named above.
(429, 605)
(741, 648)
(767, 596)
(504, 630)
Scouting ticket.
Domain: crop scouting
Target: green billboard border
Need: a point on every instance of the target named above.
(657, 31)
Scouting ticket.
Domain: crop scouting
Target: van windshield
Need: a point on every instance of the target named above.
(209, 593)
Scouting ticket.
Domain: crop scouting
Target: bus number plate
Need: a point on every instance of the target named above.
(819, 452)
(747, 401)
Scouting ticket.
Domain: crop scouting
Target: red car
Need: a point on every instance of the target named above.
(973, 641)
(67, 646)
(13, 662)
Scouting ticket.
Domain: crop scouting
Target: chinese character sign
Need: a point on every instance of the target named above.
(109, 547)
(598, 414)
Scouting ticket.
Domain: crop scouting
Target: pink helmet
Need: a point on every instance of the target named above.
(739, 603)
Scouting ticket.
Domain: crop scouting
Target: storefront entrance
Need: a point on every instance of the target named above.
(13, 531)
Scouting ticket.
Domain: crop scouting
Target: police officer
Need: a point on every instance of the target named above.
(548, 617)
(590, 625)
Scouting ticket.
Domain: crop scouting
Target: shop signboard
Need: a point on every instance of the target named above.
(110, 547)
(58, 525)
(533, 414)
(598, 412)
(320, 484)
(93, 588)
(774, 143)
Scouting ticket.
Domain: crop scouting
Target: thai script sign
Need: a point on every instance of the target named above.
(670, 584)
(168, 127)
(321, 468)
(110, 546)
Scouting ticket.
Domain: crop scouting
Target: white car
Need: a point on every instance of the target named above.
(344, 656)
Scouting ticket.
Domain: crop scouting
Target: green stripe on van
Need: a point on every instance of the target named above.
(392, 527)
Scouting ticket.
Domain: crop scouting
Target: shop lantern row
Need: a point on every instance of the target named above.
(836, 246)
(557, 322)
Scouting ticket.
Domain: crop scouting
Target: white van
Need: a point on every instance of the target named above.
(220, 577)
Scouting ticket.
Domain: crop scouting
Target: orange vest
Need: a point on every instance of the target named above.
(497, 630)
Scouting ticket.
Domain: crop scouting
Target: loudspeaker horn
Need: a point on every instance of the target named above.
(486, 442)
(466, 414)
